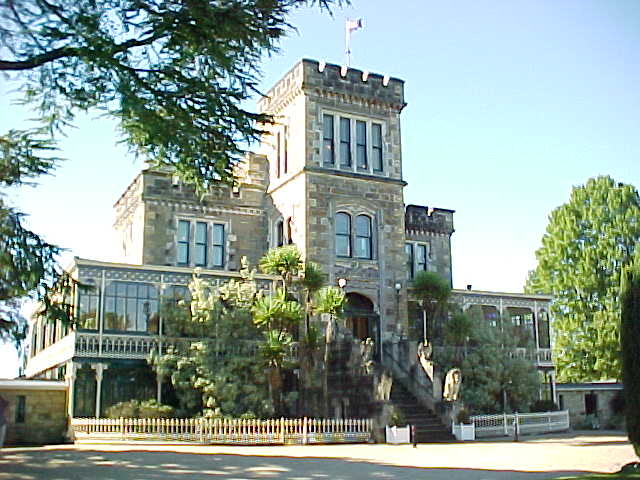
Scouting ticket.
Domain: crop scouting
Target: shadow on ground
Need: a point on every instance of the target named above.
(52, 464)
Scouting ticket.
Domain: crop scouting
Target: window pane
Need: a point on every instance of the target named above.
(421, 257)
(280, 234)
(361, 144)
(342, 246)
(183, 231)
(327, 139)
(218, 256)
(217, 252)
(343, 224)
(363, 247)
(183, 253)
(218, 234)
(201, 232)
(408, 249)
(345, 142)
(376, 148)
(363, 236)
(200, 255)
(363, 226)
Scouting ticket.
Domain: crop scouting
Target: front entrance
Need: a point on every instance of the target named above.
(362, 320)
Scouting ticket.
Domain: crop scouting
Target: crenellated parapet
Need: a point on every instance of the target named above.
(337, 83)
(426, 220)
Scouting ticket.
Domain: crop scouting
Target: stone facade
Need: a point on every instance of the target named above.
(291, 192)
(36, 414)
(592, 405)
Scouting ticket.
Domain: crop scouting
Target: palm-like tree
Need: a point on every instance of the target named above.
(286, 262)
(432, 292)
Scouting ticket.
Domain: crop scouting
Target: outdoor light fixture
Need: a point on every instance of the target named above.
(342, 282)
(398, 286)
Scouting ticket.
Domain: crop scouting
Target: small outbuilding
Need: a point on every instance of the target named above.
(36, 411)
(593, 404)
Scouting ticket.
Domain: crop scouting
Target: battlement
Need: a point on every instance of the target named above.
(326, 79)
(419, 218)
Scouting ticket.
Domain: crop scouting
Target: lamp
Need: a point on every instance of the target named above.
(342, 282)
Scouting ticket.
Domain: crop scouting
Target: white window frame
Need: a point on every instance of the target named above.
(336, 139)
(191, 246)
(429, 267)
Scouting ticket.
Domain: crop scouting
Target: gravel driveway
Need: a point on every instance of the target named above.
(531, 458)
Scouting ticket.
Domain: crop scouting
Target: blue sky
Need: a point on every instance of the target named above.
(510, 104)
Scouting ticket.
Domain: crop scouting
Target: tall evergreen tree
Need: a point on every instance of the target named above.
(587, 242)
(174, 74)
(630, 344)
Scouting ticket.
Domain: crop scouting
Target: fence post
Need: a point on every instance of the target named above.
(282, 430)
(504, 424)
(516, 426)
(304, 431)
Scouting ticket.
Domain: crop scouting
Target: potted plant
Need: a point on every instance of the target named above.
(463, 428)
(397, 430)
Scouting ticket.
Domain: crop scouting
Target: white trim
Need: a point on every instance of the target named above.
(20, 384)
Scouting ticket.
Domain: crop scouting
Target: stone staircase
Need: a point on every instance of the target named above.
(429, 429)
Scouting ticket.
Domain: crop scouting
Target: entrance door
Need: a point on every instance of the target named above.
(362, 320)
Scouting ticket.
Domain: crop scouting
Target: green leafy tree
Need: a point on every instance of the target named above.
(217, 373)
(432, 292)
(587, 242)
(175, 75)
(630, 344)
(494, 377)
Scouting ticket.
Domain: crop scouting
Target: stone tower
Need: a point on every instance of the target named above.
(335, 183)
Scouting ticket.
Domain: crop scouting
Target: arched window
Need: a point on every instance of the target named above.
(343, 235)
(279, 233)
(289, 231)
(363, 237)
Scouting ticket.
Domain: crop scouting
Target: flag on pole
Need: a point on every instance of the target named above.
(352, 25)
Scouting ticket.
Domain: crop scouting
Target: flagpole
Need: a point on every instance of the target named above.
(350, 26)
(347, 42)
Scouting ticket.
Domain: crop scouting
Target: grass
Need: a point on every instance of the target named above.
(628, 474)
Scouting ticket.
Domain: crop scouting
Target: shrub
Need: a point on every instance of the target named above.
(463, 417)
(140, 409)
(543, 406)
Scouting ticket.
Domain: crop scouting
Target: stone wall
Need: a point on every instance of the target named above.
(45, 419)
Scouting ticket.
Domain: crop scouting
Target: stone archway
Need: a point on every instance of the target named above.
(361, 319)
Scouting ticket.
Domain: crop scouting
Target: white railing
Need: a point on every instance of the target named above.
(223, 431)
(88, 344)
(505, 424)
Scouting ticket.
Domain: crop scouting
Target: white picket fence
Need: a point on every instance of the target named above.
(505, 424)
(223, 431)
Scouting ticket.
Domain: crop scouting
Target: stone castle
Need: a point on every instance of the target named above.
(328, 178)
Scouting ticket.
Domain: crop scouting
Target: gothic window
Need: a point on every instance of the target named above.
(279, 233)
(183, 242)
(376, 147)
(131, 306)
(363, 237)
(345, 142)
(343, 235)
(201, 244)
(289, 231)
(327, 140)
(361, 145)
